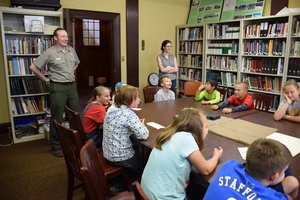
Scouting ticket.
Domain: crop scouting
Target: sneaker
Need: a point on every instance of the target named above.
(57, 153)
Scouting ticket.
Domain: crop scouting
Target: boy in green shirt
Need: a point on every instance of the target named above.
(207, 93)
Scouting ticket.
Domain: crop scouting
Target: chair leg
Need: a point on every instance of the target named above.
(71, 181)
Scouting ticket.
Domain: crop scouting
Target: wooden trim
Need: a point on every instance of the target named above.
(4, 128)
(132, 41)
(277, 5)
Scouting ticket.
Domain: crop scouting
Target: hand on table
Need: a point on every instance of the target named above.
(214, 107)
(227, 110)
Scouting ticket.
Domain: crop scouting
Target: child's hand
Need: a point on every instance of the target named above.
(143, 120)
(214, 107)
(218, 151)
(227, 110)
(204, 102)
(200, 88)
(288, 100)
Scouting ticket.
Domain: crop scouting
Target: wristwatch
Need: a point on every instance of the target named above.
(153, 79)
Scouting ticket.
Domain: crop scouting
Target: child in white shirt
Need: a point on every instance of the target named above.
(164, 94)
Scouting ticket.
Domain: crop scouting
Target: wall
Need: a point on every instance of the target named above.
(154, 27)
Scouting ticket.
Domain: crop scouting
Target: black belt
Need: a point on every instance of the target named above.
(63, 83)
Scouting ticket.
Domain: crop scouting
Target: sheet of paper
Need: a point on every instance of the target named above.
(155, 125)
(292, 143)
(136, 109)
(243, 151)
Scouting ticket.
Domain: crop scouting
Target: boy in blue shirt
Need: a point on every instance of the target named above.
(266, 163)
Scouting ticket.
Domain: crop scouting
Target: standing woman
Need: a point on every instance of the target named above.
(167, 63)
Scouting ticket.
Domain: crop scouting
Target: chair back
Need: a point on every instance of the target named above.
(190, 88)
(71, 145)
(75, 122)
(149, 93)
(261, 101)
(223, 92)
(92, 172)
(138, 191)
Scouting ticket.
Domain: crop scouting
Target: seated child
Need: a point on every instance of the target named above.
(117, 88)
(178, 149)
(266, 163)
(121, 122)
(164, 94)
(207, 93)
(240, 100)
(94, 114)
(289, 108)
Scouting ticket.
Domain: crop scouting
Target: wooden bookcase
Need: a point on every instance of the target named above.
(222, 52)
(264, 51)
(189, 54)
(27, 95)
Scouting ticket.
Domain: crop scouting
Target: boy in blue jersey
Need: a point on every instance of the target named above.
(266, 163)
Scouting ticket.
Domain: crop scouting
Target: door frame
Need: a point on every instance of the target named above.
(69, 17)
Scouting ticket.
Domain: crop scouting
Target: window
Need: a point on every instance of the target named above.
(91, 32)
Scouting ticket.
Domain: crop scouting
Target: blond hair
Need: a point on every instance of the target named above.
(189, 120)
(97, 91)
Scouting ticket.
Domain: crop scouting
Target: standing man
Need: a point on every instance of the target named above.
(62, 61)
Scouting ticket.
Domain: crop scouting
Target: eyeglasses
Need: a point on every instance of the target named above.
(169, 46)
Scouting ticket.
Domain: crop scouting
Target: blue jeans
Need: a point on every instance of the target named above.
(97, 136)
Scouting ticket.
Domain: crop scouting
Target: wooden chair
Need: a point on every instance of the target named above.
(261, 101)
(223, 92)
(71, 144)
(75, 122)
(149, 93)
(138, 191)
(190, 88)
(94, 178)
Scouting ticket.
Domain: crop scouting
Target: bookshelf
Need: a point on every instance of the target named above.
(222, 52)
(27, 95)
(263, 51)
(189, 54)
(293, 71)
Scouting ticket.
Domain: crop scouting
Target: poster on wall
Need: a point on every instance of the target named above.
(193, 12)
(205, 11)
(239, 9)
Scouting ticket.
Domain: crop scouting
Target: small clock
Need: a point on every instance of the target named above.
(153, 79)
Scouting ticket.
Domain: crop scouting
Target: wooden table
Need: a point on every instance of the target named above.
(163, 113)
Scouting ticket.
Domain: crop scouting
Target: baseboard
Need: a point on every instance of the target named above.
(4, 128)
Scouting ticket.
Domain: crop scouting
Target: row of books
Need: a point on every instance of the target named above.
(223, 47)
(228, 79)
(189, 74)
(222, 63)
(22, 105)
(191, 34)
(28, 45)
(296, 27)
(190, 61)
(190, 47)
(274, 102)
(223, 31)
(263, 83)
(295, 48)
(20, 86)
(294, 67)
(263, 65)
(265, 47)
(266, 29)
